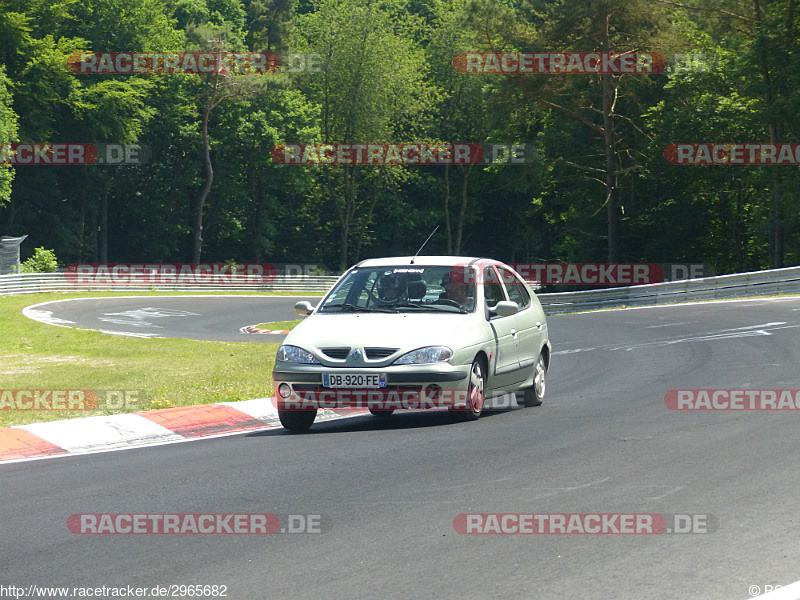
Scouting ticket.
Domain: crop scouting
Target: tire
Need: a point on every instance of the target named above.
(297, 421)
(534, 395)
(476, 391)
(382, 413)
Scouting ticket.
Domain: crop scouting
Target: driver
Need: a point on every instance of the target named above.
(457, 292)
(390, 288)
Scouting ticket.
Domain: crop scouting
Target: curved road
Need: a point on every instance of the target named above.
(193, 317)
(388, 491)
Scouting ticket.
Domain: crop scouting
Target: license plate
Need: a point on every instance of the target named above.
(354, 380)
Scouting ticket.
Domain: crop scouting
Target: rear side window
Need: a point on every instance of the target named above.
(515, 288)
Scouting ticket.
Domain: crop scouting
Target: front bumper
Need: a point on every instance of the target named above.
(407, 387)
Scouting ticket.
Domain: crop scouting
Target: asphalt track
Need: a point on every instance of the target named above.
(192, 317)
(603, 442)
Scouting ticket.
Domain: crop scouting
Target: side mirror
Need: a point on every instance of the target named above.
(303, 308)
(505, 308)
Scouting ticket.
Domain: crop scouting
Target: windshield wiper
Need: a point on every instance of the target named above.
(356, 308)
(412, 305)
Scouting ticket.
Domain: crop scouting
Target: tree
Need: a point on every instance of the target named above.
(765, 35)
(8, 135)
(603, 105)
(371, 89)
(213, 90)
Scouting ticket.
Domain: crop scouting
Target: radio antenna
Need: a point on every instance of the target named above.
(423, 244)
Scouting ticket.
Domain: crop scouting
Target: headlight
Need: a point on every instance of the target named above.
(431, 354)
(294, 354)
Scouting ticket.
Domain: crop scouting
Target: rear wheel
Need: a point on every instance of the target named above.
(534, 395)
(297, 421)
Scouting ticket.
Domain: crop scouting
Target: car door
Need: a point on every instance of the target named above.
(529, 323)
(506, 362)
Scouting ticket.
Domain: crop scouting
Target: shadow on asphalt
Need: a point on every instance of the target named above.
(399, 420)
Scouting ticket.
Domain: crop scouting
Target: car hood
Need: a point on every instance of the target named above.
(405, 331)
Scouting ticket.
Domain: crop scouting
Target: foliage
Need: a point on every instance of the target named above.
(42, 261)
(598, 183)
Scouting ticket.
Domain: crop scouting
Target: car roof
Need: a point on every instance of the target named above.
(394, 261)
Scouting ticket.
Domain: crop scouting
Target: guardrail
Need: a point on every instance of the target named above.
(758, 283)
(34, 283)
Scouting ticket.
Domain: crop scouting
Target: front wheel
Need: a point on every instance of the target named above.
(476, 392)
(297, 421)
(534, 395)
(381, 412)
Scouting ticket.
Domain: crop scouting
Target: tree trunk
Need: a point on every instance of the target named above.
(197, 241)
(462, 211)
(346, 216)
(609, 138)
(82, 232)
(371, 211)
(447, 225)
(103, 241)
(776, 224)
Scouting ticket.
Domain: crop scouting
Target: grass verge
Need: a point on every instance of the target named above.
(162, 373)
(279, 325)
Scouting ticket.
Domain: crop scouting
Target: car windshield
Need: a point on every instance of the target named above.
(404, 288)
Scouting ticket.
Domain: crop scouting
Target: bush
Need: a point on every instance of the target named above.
(42, 261)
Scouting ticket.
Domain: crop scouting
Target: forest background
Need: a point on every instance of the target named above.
(597, 186)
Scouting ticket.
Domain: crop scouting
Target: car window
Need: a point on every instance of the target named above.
(515, 288)
(401, 288)
(339, 294)
(492, 290)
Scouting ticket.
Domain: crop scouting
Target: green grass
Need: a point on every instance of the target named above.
(280, 325)
(164, 372)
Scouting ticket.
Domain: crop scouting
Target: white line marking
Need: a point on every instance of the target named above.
(45, 316)
(672, 491)
(723, 334)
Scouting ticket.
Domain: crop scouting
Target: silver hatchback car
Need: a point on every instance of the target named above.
(415, 332)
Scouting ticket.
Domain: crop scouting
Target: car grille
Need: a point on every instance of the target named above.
(370, 353)
(335, 353)
(379, 353)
